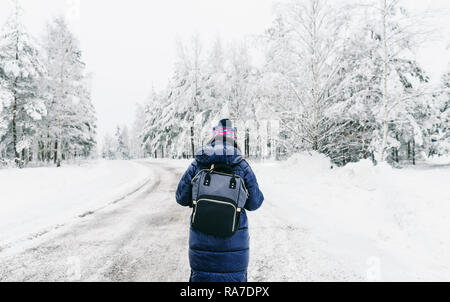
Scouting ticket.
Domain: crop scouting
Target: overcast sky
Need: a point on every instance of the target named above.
(129, 45)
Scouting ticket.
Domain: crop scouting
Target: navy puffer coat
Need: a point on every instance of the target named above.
(215, 259)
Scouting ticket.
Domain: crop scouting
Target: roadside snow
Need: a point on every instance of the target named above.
(371, 223)
(357, 223)
(34, 201)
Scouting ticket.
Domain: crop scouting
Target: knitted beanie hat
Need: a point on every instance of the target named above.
(225, 129)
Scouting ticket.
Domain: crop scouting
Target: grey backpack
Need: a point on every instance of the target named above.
(218, 200)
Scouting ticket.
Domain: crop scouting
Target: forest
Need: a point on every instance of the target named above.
(46, 112)
(339, 79)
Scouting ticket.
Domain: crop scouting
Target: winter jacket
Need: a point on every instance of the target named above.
(216, 259)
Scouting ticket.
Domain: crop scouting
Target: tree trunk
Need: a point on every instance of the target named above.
(409, 150)
(43, 151)
(60, 112)
(24, 157)
(55, 155)
(59, 154)
(14, 121)
(247, 143)
(414, 152)
(49, 151)
(385, 138)
(14, 126)
(192, 142)
(385, 84)
(59, 141)
(315, 75)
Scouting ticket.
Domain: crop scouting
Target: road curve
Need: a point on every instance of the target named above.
(141, 238)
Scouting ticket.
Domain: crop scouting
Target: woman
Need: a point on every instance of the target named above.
(215, 259)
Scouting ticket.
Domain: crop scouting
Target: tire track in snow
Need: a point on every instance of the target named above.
(142, 238)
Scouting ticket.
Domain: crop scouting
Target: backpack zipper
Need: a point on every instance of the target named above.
(236, 209)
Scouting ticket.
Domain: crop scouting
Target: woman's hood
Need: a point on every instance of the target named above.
(223, 153)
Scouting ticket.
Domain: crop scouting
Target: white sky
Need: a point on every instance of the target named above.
(129, 45)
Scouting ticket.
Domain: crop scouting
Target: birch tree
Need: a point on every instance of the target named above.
(396, 33)
(306, 43)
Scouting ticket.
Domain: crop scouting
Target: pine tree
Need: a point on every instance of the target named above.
(125, 138)
(71, 120)
(20, 71)
(119, 143)
(109, 147)
(5, 98)
(136, 131)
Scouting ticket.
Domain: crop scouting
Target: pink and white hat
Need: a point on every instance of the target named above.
(224, 129)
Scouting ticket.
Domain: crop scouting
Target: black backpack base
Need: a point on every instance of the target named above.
(220, 218)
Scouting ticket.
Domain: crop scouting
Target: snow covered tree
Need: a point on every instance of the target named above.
(215, 95)
(116, 147)
(342, 81)
(188, 92)
(440, 130)
(109, 147)
(123, 142)
(161, 124)
(174, 117)
(5, 97)
(71, 122)
(136, 131)
(202, 91)
(245, 104)
(385, 96)
(304, 63)
(120, 143)
(399, 92)
(20, 73)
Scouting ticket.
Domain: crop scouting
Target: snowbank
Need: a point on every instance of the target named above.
(36, 200)
(362, 216)
(308, 162)
(439, 160)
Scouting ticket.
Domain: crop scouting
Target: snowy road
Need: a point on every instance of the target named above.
(141, 238)
(145, 238)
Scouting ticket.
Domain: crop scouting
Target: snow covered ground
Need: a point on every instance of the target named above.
(34, 201)
(358, 223)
